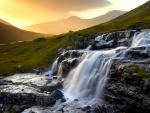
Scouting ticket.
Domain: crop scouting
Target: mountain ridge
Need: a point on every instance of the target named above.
(10, 33)
(136, 18)
(72, 23)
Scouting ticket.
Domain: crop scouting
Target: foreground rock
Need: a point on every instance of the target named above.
(28, 90)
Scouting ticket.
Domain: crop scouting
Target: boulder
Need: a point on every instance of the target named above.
(128, 88)
(57, 94)
(26, 90)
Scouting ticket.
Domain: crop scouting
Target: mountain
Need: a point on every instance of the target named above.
(41, 52)
(72, 23)
(136, 18)
(9, 33)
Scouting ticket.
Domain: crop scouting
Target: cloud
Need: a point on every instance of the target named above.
(26, 12)
(72, 5)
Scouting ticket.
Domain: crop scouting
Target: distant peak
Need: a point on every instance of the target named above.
(74, 18)
(116, 11)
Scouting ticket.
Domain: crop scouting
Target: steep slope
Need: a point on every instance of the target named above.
(9, 33)
(137, 18)
(72, 23)
(4, 22)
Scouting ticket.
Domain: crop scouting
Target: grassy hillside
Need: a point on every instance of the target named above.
(25, 56)
(10, 33)
(139, 17)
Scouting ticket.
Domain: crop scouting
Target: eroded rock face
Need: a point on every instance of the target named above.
(129, 87)
(67, 61)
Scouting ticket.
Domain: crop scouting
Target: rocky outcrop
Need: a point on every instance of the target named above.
(114, 39)
(29, 90)
(67, 61)
(128, 87)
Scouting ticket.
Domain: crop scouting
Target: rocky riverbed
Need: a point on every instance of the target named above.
(126, 90)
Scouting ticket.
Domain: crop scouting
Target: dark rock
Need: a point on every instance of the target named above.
(114, 39)
(51, 87)
(106, 108)
(76, 100)
(127, 89)
(63, 100)
(86, 108)
(57, 94)
(29, 91)
(67, 65)
(134, 55)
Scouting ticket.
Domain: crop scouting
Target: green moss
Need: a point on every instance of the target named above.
(134, 68)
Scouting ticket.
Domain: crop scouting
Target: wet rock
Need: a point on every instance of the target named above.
(51, 87)
(26, 96)
(106, 108)
(70, 54)
(128, 88)
(135, 55)
(114, 39)
(57, 94)
(67, 65)
(68, 61)
(29, 90)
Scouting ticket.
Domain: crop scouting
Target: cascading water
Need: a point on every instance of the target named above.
(87, 80)
(141, 39)
(53, 69)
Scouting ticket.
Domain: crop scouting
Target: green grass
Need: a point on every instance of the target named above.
(35, 54)
(41, 52)
(139, 17)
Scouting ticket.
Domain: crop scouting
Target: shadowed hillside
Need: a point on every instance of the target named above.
(9, 33)
(4, 22)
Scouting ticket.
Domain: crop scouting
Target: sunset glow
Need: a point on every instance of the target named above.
(22, 13)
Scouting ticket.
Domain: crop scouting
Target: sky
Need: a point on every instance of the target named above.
(22, 13)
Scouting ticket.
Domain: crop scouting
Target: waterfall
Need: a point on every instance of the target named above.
(53, 69)
(89, 47)
(140, 39)
(86, 82)
(88, 79)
